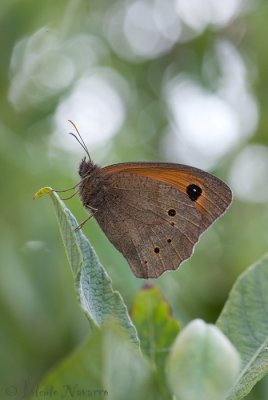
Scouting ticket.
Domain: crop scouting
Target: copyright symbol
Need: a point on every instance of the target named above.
(11, 390)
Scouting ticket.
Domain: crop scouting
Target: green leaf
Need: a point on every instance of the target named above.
(244, 319)
(203, 364)
(157, 328)
(97, 298)
(109, 364)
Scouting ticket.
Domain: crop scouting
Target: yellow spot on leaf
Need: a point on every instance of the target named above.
(42, 191)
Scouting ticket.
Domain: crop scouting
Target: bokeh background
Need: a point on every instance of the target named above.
(176, 80)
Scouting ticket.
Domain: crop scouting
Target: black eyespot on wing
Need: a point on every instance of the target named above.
(171, 212)
(169, 240)
(193, 191)
(145, 262)
(157, 250)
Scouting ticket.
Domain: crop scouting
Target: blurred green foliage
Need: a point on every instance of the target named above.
(156, 327)
(40, 320)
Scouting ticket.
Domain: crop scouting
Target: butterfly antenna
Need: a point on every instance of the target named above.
(81, 141)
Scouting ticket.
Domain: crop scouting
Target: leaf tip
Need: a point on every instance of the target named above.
(42, 191)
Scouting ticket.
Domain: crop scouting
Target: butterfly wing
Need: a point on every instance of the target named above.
(209, 194)
(152, 223)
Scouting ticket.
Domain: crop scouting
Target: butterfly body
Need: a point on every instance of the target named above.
(153, 213)
(91, 186)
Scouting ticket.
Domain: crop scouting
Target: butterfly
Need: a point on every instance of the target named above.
(152, 212)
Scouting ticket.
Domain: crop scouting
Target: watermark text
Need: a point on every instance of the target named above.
(64, 391)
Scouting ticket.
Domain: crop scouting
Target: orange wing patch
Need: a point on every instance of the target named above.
(215, 197)
(176, 177)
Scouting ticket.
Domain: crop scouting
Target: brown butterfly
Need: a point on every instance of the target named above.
(152, 212)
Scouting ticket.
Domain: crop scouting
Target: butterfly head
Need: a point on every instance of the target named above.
(86, 168)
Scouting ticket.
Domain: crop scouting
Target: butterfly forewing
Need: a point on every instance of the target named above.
(210, 195)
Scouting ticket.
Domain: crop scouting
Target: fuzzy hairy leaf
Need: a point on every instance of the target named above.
(202, 364)
(97, 297)
(106, 366)
(244, 320)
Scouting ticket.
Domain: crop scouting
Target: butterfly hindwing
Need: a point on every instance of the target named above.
(153, 224)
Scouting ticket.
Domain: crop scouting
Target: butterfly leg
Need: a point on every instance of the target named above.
(85, 220)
